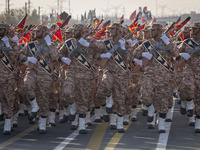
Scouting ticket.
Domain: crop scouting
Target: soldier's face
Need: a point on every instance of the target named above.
(154, 33)
(39, 34)
(77, 34)
(113, 32)
(195, 32)
(68, 35)
(186, 35)
(2, 32)
(147, 34)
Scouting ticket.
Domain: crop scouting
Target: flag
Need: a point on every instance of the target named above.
(121, 20)
(58, 35)
(133, 15)
(101, 32)
(144, 19)
(66, 22)
(181, 36)
(153, 21)
(21, 23)
(59, 23)
(34, 27)
(165, 25)
(179, 19)
(99, 23)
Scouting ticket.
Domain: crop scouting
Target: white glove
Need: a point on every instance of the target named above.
(122, 42)
(165, 39)
(66, 60)
(84, 42)
(16, 39)
(139, 62)
(47, 40)
(186, 56)
(147, 55)
(26, 63)
(32, 60)
(6, 41)
(106, 55)
(132, 41)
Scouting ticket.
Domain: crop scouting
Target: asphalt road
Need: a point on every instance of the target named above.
(179, 136)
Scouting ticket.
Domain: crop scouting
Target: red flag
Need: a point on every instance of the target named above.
(58, 35)
(133, 15)
(179, 26)
(153, 21)
(181, 37)
(34, 27)
(21, 23)
(121, 20)
(165, 25)
(179, 19)
(65, 22)
(59, 23)
(28, 37)
(99, 34)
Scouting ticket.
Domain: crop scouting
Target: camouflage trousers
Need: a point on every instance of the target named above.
(39, 87)
(117, 87)
(187, 85)
(9, 98)
(77, 90)
(53, 100)
(157, 92)
(99, 101)
(197, 94)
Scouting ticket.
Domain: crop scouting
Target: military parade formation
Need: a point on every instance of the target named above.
(105, 71)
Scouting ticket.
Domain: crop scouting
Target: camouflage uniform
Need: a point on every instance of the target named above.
(189, 82)
(8, 83)
(37, 82)
(78, 81)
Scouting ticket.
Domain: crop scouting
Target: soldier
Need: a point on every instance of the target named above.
(8, 79)
(191, 76)
(115, 79)
(185, 83)
(76, 88)
(37, 82)
(156, 79)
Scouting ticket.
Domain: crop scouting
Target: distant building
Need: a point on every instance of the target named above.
(194, 18)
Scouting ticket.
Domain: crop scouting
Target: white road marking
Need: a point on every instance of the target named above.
(163, 137)
(68, 139)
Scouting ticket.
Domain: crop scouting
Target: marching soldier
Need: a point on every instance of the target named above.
(190, 51)
(156, 79)
(76, 88)
(115, 79)
(37, 82)
(8, 79)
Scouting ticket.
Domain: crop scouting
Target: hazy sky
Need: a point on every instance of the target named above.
(110, 7)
